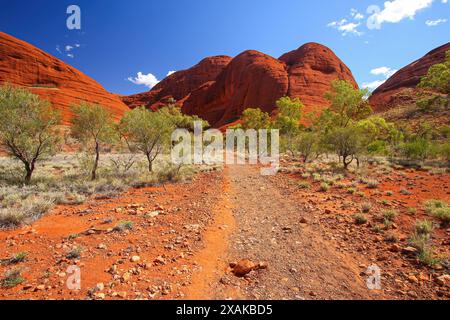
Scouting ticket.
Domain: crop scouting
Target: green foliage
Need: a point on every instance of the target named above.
(147, 132)
(180, 120)
(93, 127)
(75, 253)
(419, 149)
(439, 209)
(124, 225)
(390, 215)
(348, 103)
(438, 76)
(304, 185)
(287, 120)
(424, 227)
(27, 127)
(14, 259)
(307, 143)
(346, 142)
(12, 278)
(360, 219)
(255, 118)
(433, 104)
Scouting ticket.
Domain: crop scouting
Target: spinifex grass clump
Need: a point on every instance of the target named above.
(14, 259)
(12, 278)
(439, 209)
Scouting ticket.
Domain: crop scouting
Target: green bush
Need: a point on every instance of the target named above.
(438, 209)
(360, 219)
(423, 227)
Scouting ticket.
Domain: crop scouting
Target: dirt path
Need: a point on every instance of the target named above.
(269, 228)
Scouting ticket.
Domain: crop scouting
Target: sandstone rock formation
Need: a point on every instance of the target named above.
(180, 84)
(25, 65)
(312, 68)
(386, 96)
(252, 79)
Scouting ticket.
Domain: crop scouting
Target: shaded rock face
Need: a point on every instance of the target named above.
(180, 84)
(25, 65)
(312, 68)
(252, 79)
(385, 96)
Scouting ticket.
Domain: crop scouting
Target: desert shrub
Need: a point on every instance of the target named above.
(433, 104)
(307, 145)
(124, 225)
(324, 187)
(366, 207)
(11, 218)
(439, 209)
(390, 237)
(360, 219)
(423, 227)
(425, 252)
(147, 132)
(438, 76)
(418, 149)
(14, 259)
(390, 215)
(304, 185)
(169, 172)
(12, 278)
(372, 184)
(93, 127)
(255, 118)
(73, 254)
(444, 151)
(405, 192)
(27, 127)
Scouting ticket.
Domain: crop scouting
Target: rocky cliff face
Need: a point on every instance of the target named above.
(253, 79)
(27, 66)
(385, 97)
(312, 68)
(180, 84)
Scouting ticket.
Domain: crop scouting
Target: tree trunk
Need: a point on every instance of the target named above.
(345, 163)
(97, 158)
(150, 163)
(29, 173)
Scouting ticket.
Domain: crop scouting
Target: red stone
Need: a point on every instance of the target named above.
(384, 97)
(24, 65)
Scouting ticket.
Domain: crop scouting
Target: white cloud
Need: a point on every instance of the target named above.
(170, 73)
(385, 71)
(356, 14)
(71, 55)
(373, 85)
(444, 1)
(396, 10)
(148, 80)
(434, 23)
(68, 48)
(345, 27)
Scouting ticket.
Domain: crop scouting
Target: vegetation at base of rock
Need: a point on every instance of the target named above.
(27, 127)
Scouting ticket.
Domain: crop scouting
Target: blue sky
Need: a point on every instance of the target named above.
(120, 38)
